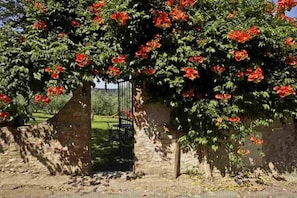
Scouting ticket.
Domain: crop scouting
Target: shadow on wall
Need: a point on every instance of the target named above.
(280, 146)
(155, 133)
(62, 144)
(278, 152)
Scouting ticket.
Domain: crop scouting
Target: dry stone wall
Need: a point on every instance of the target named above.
(155, 145)
(59, 146)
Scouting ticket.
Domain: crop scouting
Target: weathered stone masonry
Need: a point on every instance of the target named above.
(60, 145)
(155, 144)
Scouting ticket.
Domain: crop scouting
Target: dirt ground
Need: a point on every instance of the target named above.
(121, 184)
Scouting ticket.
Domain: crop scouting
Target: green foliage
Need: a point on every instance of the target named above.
(104, 102)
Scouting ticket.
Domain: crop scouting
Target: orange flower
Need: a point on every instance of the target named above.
(98, 20)
(40, 25)
(185, 3)
(233, 119)
(243, 36)
(286, 5)
(291, 60)
(58, 90)
(189, 93)
(218, 69)
(256, 141)
(240, 75)
(178, 15)
(196, 59)
(243, 152)
(223, 97)
(37, 98)
(289, 42)
(4, 98)
(59, 69)
(55, 75)
(241, 55)
(191, 73)
(255, 76)
(75, 23)
(113, 71)
(231, 15)
(45, 99)
(119, 60)
(81, 59)
(149, 72)
(145, 49)
(120, 17)
(284, 91)
(253, 31)
(4, 115)
(38, 6)
(161, 19)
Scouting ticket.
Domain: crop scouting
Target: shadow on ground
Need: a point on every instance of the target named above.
(110, 155)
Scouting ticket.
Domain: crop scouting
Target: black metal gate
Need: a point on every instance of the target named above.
(123, 131)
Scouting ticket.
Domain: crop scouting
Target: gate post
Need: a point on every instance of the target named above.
(73, 127)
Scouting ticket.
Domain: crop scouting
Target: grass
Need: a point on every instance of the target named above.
(40, 117)
(106, 155)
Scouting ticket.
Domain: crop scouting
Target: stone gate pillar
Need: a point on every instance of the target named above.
(73, 128)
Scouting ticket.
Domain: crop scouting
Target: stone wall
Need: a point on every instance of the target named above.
(155, 145)
(60, 145)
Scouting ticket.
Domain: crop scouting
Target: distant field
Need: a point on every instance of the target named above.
(100, 122)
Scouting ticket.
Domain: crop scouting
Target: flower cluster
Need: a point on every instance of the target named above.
(147, 48)
(256, 141)
(75, 23)
(196, 59)
(243, 36)
(291, 60)
(119, 60)
(95, 7)
(58, 90)
(254, 76)
(223, 97)
(218, 69)
(82, 59)
(240, 54)
(243, 152)
(4, 99)
(149, 71)
(120, 17)
(178, 15)
(161, 19)
(189, 93)
(55, 73)
(286, 5)
(43, 99)
(40, 25)
(191, 73)
(289, 42)
(4, 115)
(113, 71)
(231, 15)
(181, 3)
(235, 120)
(39, 6)
(284, 91)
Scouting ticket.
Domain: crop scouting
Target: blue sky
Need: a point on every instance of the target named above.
(292, 13)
